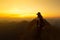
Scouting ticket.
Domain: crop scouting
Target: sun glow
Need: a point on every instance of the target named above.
(29, 8)
(14, 11)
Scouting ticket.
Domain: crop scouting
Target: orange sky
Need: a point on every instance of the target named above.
(29, 8)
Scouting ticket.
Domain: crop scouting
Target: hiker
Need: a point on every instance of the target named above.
(40, 21)
(40, 25)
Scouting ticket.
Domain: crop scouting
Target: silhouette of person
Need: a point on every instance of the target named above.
(40, 25)
(40, 20)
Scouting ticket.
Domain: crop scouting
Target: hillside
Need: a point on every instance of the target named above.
(26, 31)
(49, 33)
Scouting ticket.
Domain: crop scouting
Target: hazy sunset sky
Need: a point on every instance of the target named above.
(29, 8)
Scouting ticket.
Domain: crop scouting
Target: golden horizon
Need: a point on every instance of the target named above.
(23, 15)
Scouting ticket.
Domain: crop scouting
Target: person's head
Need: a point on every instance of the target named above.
(38, 13)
